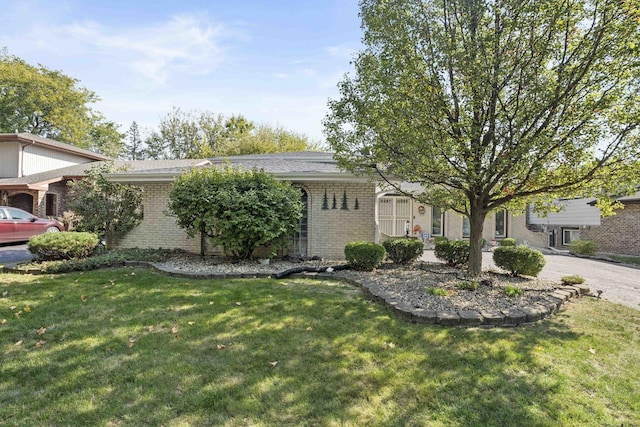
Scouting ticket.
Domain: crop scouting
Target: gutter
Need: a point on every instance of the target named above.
(32, 142)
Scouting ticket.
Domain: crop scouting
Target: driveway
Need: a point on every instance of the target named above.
(618, 283)
(11, 252)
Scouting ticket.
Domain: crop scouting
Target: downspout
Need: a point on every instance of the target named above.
(22, 157)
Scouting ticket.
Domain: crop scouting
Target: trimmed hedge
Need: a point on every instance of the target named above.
(519, 260)
(454, 252)
(64, 245)
(403, 250)
(509, 241)
(364, 256)
(583, 247)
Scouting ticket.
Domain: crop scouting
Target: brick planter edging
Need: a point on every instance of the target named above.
(509, 317)
(485, 318)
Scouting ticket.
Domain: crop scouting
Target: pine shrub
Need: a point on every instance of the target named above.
(64, 245)
(583, 247)
(403, 250)
(364, 256)
(519, 260)
(454, 252)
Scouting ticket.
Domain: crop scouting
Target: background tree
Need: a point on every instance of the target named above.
(134, 146)
(199, 135)
(53, 105)
(493, 104)
(238, 210)
(109, 209)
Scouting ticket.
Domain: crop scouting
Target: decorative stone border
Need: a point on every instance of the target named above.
(484, 318)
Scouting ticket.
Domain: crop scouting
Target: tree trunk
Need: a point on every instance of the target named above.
(476, 222)
(203, 242)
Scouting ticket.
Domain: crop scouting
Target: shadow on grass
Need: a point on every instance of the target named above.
(134, 347)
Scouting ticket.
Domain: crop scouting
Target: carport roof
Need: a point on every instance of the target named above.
(41, 181)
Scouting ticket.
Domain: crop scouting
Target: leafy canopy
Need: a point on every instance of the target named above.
(109, 209)
(237, 209)
(182, 135)
(493, 104)
(51, 104)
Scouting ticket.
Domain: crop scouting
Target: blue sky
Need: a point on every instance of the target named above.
(274, 61)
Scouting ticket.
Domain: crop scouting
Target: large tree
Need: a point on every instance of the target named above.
(493, 104)
(51, 104)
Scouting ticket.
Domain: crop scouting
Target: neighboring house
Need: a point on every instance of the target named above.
(566, 225)
(23, 155)
(339, 208)
(620, 233)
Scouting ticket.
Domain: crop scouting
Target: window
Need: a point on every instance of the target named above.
(501, 223)
(437, 221)
(51, 205)
(301, 236)
(466, 227)
(394, 215)
(569, 235)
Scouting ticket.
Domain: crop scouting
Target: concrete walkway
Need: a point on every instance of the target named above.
(618, 283)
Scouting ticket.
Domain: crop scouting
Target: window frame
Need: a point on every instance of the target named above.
(433, 216)
(503, 232)
(570, 230)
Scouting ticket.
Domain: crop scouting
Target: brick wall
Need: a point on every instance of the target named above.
(158, 230)
(618, 234)
(329, 229)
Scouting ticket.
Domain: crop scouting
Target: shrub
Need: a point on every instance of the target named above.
(583, 247)
(572, 280)
(468, 285)
(438, 292)
(454, 252)
(64, 245)
(440, 239)
(404, 250)
(509, 241)
(519, 260)
(364, 255)
(512, 291)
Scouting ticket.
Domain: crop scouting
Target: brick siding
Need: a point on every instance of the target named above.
(618, 234)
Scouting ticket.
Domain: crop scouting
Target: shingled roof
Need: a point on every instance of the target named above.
(40, 181)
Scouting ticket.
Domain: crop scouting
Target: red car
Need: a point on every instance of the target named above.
(17, 225)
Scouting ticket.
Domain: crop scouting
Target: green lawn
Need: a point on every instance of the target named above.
(133, 347)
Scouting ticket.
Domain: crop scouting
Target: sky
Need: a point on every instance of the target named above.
(276, 62)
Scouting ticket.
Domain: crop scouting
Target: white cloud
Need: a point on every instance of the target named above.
(186, 44)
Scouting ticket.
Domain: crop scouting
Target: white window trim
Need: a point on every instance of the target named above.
(564, 241)
(441, 221)
(504, 231)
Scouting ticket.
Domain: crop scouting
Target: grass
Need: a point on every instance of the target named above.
(133, 347)
(634, 260)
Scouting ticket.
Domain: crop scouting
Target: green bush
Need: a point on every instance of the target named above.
(106, 259)
(468, 285)
(454, 252)
(572, 280)
(519, 260)
(583, 247)
(64, 245)
(509, 241)
(364, 255)
(513, 291)
(438, 292)
(404, 250)
(440, 239)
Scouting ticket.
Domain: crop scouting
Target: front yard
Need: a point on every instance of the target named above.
(134, 347)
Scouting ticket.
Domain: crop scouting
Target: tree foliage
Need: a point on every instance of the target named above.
(182, 135)
(134, 148)
(237, 209)
(109, 209)
(493, 104)
(51, 104)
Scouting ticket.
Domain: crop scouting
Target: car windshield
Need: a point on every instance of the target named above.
(19, 214)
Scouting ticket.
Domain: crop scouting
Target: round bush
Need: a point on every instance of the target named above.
(404, 250)
(454, 252)
(64, 245)
(583, 247)
(364, 255)
(519, 260)
(509, 241)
